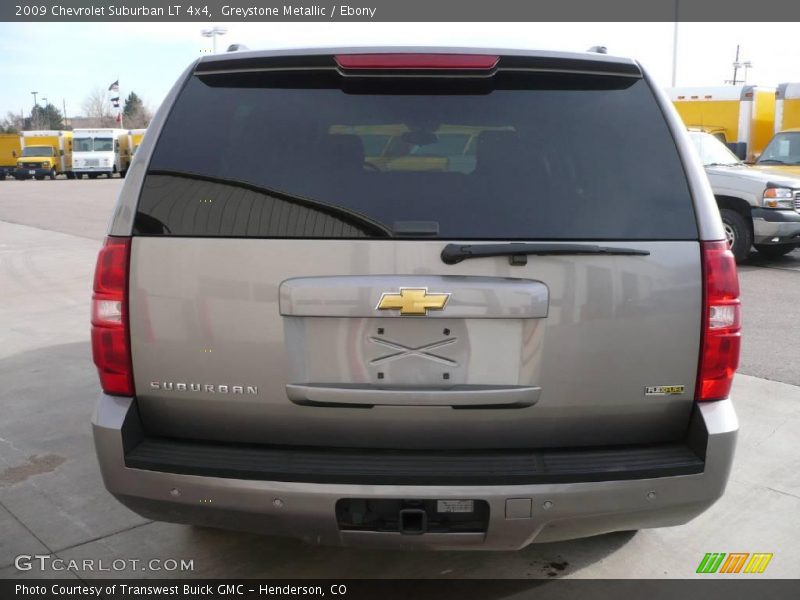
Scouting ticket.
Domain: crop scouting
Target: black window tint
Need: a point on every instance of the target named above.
(528, 156)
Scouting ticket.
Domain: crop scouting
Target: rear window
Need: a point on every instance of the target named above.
(524, 156)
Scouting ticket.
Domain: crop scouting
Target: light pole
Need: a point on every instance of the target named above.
(213, 33)
(675, 47)
(44, 101)
(33, 111)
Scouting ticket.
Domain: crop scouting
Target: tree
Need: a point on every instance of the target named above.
(97, 107)
(45, 117)
(13, 123)
(135, 114)
(133, 106)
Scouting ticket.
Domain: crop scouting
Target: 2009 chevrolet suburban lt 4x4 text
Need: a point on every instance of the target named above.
(527, 341)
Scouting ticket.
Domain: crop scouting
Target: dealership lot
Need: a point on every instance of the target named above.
(52, 500)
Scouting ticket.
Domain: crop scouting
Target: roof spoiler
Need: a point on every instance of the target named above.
(361, 63)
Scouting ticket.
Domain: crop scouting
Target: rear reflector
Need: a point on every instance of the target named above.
(722, 323)
(416, 61)
(110, 335)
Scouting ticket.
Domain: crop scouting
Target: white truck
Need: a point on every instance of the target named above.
(100, 152)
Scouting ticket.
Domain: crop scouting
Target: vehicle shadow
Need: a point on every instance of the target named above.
(788, 261)
(262, 556)
(50, 482)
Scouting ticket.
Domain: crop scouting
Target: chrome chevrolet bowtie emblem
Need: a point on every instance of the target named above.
(413, 301)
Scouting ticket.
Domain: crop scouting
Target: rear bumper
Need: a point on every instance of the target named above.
(769, 224)
(518, 514)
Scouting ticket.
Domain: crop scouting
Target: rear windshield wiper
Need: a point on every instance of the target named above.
(518, 252)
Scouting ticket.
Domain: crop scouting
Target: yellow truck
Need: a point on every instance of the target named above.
(782, 154)
(787, 106)
(10, 149)
(45, 154)
(135, 137)
(741, 116)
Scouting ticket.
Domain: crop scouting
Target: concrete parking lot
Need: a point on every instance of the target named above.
(52, 500)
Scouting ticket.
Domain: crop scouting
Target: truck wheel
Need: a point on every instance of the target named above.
(737, 232)
(39, 177)
(70, 175)
(53, 174)
(774, 250)
(92, 175)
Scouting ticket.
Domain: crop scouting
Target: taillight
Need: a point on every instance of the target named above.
(722, 323)
(416, 61)
(110, 335)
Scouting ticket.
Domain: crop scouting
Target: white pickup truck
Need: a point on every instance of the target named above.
(758, 207)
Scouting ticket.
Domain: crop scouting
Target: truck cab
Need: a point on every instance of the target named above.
(782, 154)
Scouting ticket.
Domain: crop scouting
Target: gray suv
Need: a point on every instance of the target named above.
(416, 297)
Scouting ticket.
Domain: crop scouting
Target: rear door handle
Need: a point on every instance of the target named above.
(457, 396)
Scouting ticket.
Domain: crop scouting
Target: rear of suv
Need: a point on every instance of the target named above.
(520, 325)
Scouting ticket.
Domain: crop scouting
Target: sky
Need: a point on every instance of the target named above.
(65, 61)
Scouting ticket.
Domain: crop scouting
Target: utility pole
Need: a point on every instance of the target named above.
(64, 106)
(738, 65)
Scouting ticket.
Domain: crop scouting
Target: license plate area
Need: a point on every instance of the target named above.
(416, 351)
(412, 516)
